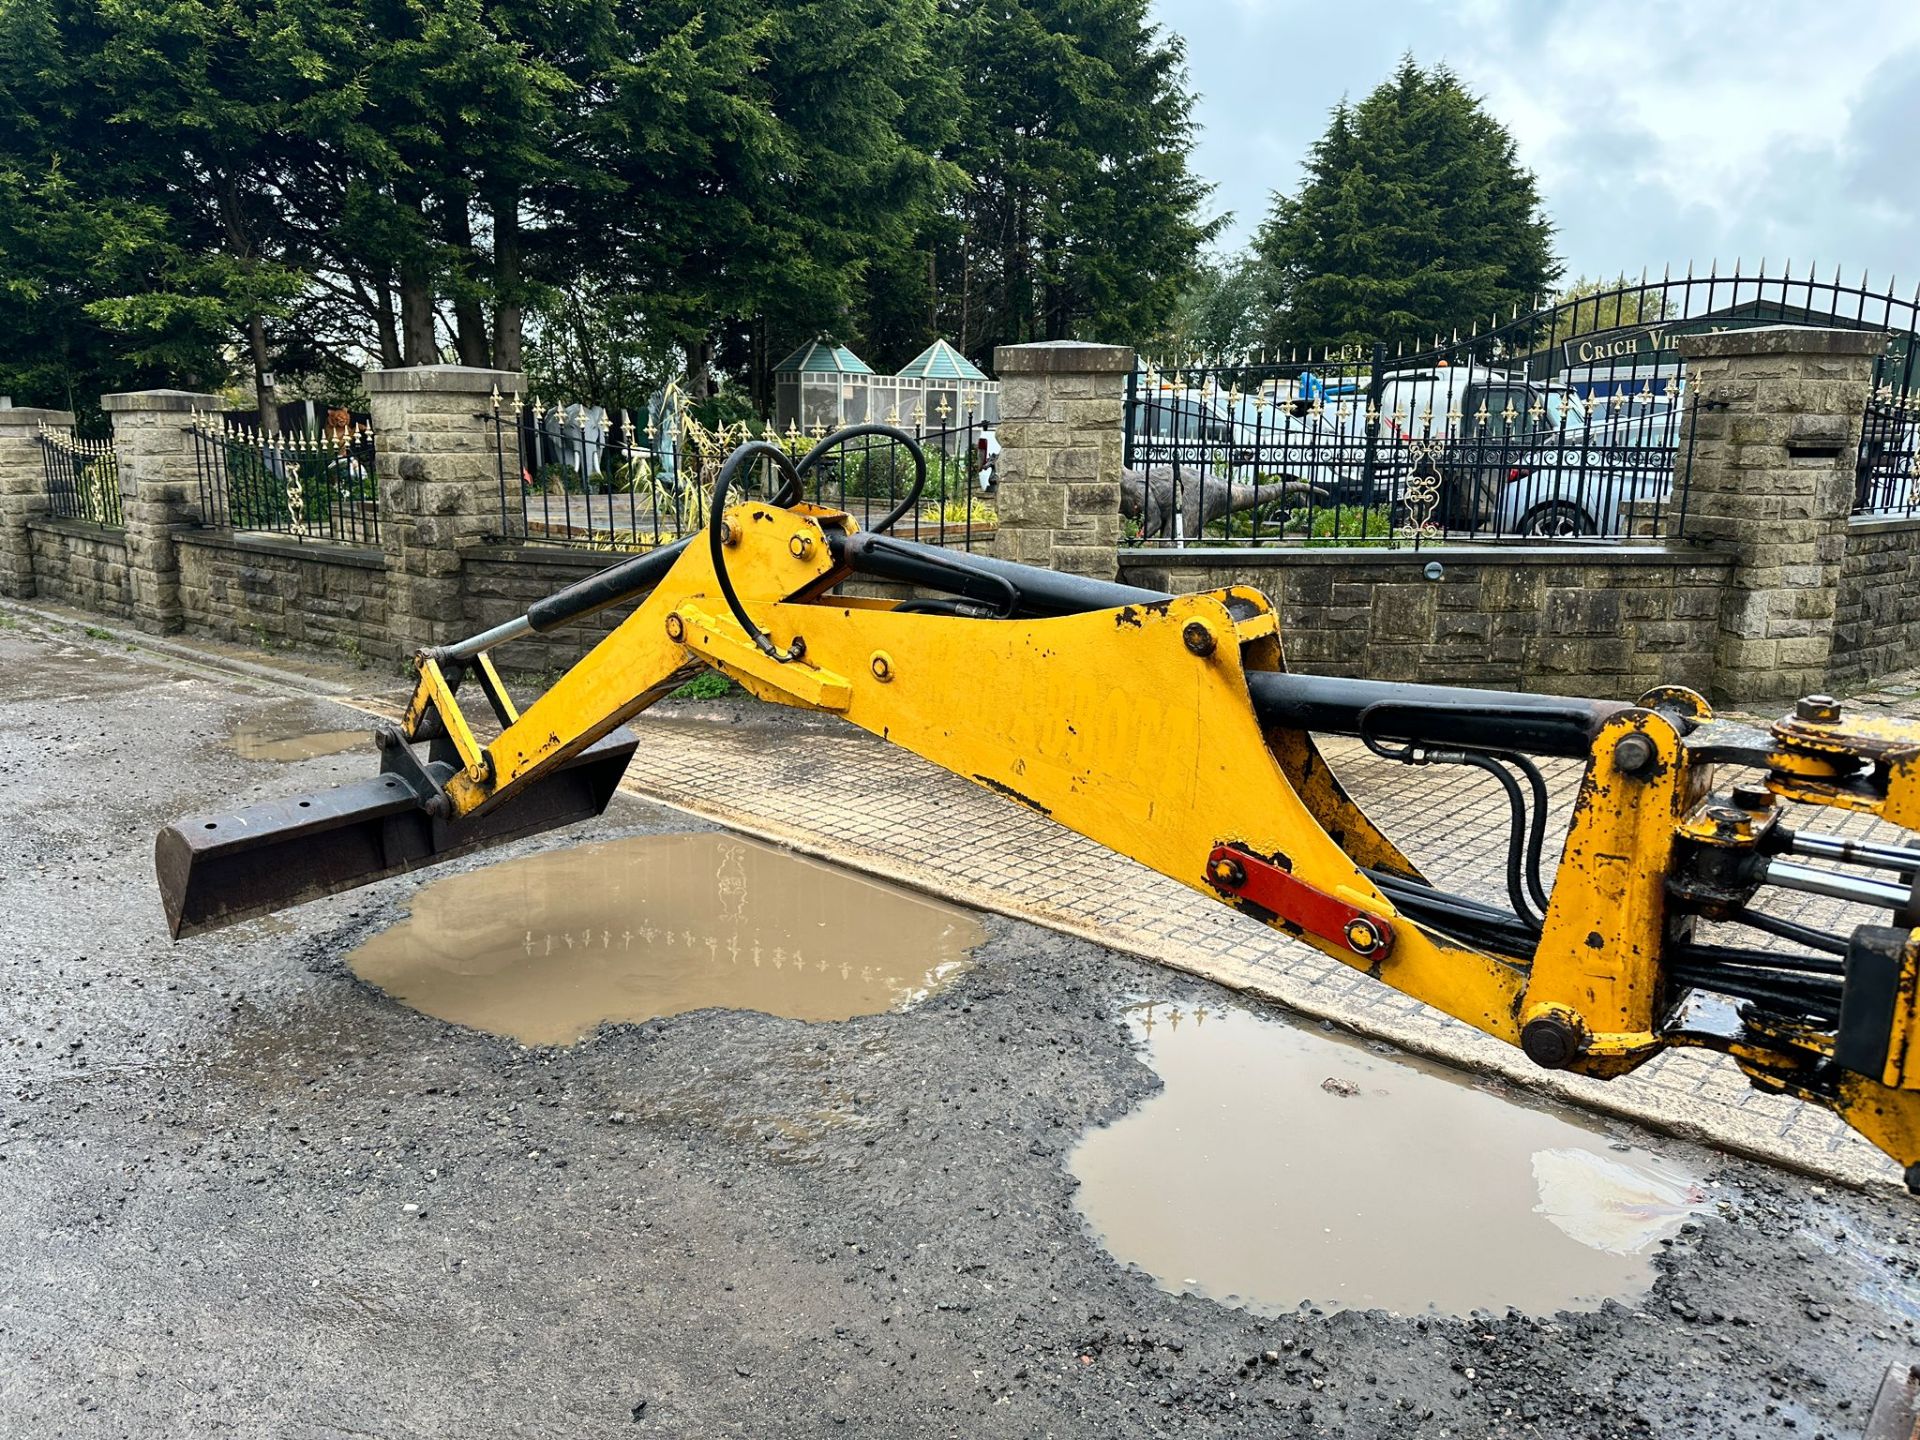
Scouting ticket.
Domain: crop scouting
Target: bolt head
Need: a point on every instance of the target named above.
(676, 629)
(1817, 710)
(882, 666)
(1229, 873)
(1635, 753)
(801, 546)
(1198, 638)
(1551, 1042)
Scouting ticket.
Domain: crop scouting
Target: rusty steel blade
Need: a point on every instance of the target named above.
(218, 869)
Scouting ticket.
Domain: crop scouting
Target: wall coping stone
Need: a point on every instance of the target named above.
(444, 380)
(1063, 357)
(326, 553)
(1881, 524)
(569, 557)
(27, 417)
(80, 529)
(1252, 557)
(178, 401)
(1782, 340)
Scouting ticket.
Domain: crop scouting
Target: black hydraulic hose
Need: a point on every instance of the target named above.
(1516, 832)
(1456, 915)
(716, 536)
(1517, 848)
(1771, 991)
(1790, 930)
(791, 492)
(636, 576)
(1537, 835)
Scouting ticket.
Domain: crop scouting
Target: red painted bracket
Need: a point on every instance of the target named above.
(1236, 873)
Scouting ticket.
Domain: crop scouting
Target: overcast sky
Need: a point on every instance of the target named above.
(1660, 132)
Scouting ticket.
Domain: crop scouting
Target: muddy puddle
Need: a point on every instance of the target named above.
(281, 733)
(547, 948)
(1282, 1165)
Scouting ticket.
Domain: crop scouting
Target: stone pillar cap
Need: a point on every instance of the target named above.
(135, 401)
(1782, 340)
(1063, 357)
(444, 380)
(32, 417)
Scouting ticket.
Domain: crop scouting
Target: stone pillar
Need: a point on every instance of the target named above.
(159, 490)
(440, 478)
(1771, 438)
(23, 492)
(1057, 489)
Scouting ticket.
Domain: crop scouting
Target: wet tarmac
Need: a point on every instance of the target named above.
(283, 733)
(1283, 1166)
(248, 1194)
(547, 948)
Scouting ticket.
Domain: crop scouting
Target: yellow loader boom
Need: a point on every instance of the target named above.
(1168, 729)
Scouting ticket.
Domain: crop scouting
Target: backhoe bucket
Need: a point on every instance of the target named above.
(218, 869)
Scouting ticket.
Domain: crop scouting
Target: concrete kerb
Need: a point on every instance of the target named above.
(193, 657)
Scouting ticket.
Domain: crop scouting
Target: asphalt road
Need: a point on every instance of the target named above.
(243, 1194)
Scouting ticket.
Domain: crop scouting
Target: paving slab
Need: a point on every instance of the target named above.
(842, 795)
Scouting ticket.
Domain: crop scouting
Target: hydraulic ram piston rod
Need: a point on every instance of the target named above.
(1804, 878)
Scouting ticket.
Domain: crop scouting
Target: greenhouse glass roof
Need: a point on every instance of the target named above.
(940, 361)
(820, 357)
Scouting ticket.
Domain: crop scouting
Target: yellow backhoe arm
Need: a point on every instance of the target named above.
(1168, 730)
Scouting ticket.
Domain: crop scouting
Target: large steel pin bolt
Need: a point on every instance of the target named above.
(439, 807)
(1229, 874)
(1551, 1042)
(1635, 754)
(386, 737)
(801, 546)
(1198, 637)
(676, 628)
(1817, 710)
(882, 666)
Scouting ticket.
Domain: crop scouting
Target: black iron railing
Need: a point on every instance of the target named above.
(1887, 476)
(83, 478)
(309, 485)
(574, 475)
(1563, 424)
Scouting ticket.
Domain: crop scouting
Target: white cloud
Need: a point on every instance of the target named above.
(1660, 132)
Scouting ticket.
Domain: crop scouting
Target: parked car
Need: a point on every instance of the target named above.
(1601, 480)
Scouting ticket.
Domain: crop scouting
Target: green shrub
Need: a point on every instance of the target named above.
(710, 686)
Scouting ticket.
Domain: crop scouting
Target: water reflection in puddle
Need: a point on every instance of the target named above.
(1282, 1165)
(280, 734)
(547, 948)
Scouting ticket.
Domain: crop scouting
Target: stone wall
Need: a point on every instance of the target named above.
(499, 583)
(258, 590)
(1611, 623)
(1877, 610)
(80, 564)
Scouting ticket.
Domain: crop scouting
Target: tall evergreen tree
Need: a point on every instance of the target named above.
(1080, 212)
(1415, 218)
